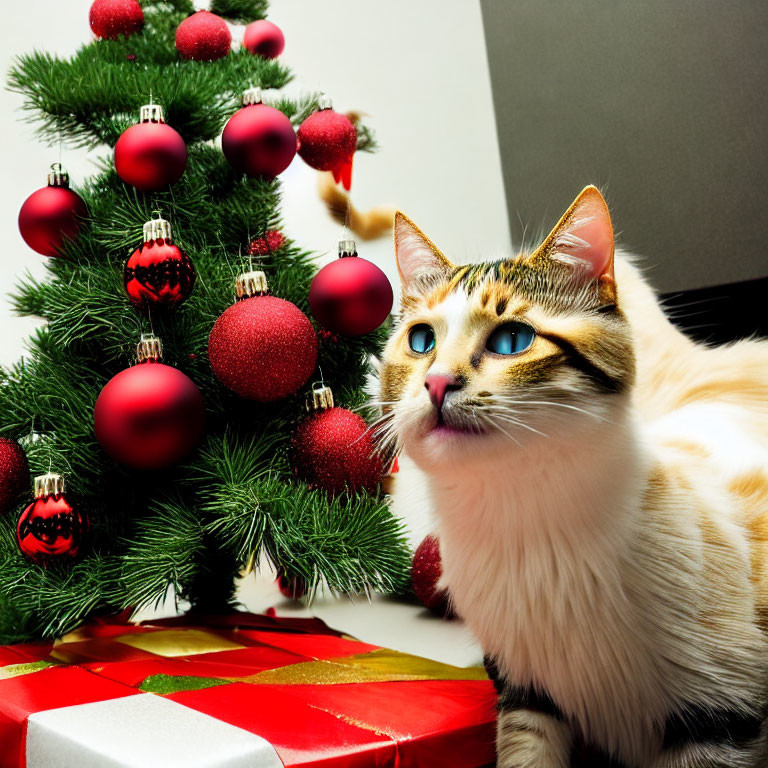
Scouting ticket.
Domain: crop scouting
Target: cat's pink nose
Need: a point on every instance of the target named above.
(438, 385)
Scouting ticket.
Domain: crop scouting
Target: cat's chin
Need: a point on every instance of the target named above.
(443, 445)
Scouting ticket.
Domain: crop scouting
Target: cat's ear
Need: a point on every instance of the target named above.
(418, 258)
(582, 239)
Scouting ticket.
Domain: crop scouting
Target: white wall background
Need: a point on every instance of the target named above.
(418, 71)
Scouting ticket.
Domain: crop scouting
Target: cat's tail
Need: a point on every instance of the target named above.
(367, 225)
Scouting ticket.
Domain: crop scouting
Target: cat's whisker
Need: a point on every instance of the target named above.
(505, 400)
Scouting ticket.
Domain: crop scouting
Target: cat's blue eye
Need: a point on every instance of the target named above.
(421, 338)
(510, 339)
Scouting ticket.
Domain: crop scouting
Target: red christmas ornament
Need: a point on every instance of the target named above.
(159, 273)
(150, 155)
(50, 529)
(350, 296)
(111, 18)
(14, 472)
(149, 416)
(52, 215)
(327, 142)
(203, 36)
(333, 448)
(272, 241)
(263, 38)
(426, 571)
(291, 587)
(258, 140)
(262, 348)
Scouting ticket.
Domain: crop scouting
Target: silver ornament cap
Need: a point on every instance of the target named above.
(49, 484)
(251, 96)
(157, 229)
(320, 398)
(250, 284)
(149, 349)
(347, 248)
(58, 177)
(151, 113)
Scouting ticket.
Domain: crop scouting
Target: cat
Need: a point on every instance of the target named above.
(600, 483)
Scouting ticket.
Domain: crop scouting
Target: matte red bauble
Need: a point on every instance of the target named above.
(203, 36)
(350, 296)
(263, 38)
(150, 416)
(111, 18)
(333, 448)
(52, 215)
(327, 142)
(150, 155)
(14, 472)
(258, 140)
(50, 529)
(159, 273)
(426, 571)
(262, 348)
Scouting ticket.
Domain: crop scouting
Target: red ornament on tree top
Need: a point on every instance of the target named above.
(14, 472)
(159, 273)
(263, 38)
(111, 18)
(333, 448)
(262, 347)
(203, 36)
(50, 529)
(327, 142)
(150, 155)
(52, 215)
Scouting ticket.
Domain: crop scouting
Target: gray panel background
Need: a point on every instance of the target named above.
(661, 103)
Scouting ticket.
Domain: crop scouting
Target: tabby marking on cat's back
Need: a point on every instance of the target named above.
(600, 484)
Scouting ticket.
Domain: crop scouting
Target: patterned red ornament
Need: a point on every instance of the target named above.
(333, 448)
(262, 348)
(52, 215)
(291, 587)
(50, 529)
(14, 472)
(150, 155)
(111, 18)
(258, 140)
(263, 38)
(327, 142)
(426, 571)
(149, 416)
(203, 36)
(272, 241)
(350, 296)
(159, 273)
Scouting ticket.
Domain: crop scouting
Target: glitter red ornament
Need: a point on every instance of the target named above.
(426, 571)
(262, 347)
(150, 155)
(272, 241)
(263, 38)
(52, 215)
(258, 140)
(14, 472)
(333, 449)
(350, 296)
(159, 273)
(149, 416)
(50, 529)
(111, 18)
(203, 36)
(327, 142)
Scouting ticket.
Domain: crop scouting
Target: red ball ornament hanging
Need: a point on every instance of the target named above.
(426, 571)
(258, 140)
(272, 241)
(203, 36)
(262, 348)
(159, 273)
(150, 155)
(291, 587)
(149, 416)
(111, 18)
(333, 448)
(14, 472)
(50, 529)
(52, 215)
(327, 142)
(350, 296)
(263, 38)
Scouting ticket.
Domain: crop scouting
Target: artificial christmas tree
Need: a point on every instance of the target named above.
(192, 523)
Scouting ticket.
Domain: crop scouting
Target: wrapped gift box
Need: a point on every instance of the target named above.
(234, 692)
